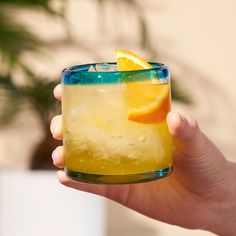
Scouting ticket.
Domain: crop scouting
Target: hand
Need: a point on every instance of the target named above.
(199, 194)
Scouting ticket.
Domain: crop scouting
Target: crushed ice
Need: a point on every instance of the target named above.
(103, 67)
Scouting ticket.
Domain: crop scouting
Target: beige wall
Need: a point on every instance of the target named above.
(195, 38)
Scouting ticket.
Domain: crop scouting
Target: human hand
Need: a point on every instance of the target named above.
(199, 194)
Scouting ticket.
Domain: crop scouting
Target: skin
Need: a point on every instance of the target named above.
(199, 194)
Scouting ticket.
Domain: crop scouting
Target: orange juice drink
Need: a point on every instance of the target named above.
(115, 129)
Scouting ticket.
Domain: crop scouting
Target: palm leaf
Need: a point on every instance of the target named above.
(15, 39)
(178, 94)
(38, 94)
(44, 4)
(11, 100)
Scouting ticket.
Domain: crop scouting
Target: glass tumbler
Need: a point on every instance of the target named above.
(114, 124)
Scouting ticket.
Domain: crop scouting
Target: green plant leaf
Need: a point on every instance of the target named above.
(39, 94)
(10, 100)
(15, 39)
(178, 94)
(44, 4)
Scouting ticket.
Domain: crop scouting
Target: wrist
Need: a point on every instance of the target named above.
(224, 210)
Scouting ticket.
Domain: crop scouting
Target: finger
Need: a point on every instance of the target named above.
(92, 188)
(58, 157)
(56, 127)
(57, 92)
(182, 127)
(114, 192)
(197, 161)
(188, 138)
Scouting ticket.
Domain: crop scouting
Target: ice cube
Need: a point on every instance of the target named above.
(106, 67)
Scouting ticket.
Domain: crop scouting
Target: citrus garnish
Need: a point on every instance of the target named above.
(129, 61)
(147, 101)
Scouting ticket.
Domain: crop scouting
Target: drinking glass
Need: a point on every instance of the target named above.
(114, 132)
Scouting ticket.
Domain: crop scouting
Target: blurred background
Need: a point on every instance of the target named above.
(38, 38)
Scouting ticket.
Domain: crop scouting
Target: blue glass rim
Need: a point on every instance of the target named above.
(79, 75)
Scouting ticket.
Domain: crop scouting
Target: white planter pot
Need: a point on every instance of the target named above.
(35, 203)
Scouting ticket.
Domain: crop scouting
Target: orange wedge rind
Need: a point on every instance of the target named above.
(147, 102)
(127, 61)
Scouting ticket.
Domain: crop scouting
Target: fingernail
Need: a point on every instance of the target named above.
(175, 113)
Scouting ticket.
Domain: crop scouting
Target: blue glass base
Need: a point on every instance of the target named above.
(118, 179)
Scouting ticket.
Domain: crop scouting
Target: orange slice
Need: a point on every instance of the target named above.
(147, 101)
(129, 61)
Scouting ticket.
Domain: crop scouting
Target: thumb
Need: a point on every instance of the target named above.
(197, 159)
(117, 193)
(188, 138)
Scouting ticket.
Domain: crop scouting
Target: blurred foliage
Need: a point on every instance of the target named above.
(177, 94)
(44, 4)
(15, 39)
(36, 93)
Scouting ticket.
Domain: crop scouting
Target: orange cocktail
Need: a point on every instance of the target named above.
(115, 128)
